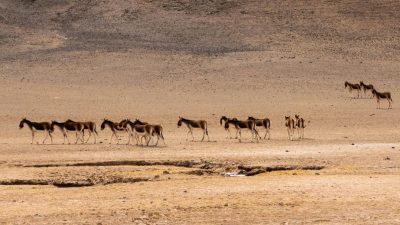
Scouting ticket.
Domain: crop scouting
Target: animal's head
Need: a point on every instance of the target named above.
(226, 125)
(287, 118)
(223, 118)
(374, 92)
(180, 122)
(103, 124)
(52, 124)
(21, 124)
(296, 116)
(345, 84)
(361, 83)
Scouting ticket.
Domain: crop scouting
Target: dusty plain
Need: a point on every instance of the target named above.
(157, 60)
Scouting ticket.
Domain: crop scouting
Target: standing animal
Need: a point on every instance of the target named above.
(366, 87)
(116, 128)
(90, 126)
(38, 126)
(69, 126)
(243, 124)
(352, 87)
(299, 125)
(191, 124)
(382, 95)
(157, 131)
(266, 123)
(290, 125)
(224, 119)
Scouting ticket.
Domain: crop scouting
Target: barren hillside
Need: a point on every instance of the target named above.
(339, 28)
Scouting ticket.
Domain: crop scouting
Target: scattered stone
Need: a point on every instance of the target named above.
(387, 158)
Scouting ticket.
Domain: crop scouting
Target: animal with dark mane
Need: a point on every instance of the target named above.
(299, 125)
(193, 124)
(266, 123)
(157, 130)
(382, 95)
(69, 126)
(243, 124)
(352, 87)
(228, 131)
(140, 131)
(290, 126)
(38, 126)
(90, 126)
(116, 128)
(366, 87)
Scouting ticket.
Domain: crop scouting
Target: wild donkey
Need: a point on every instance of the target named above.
(366, 87)
(202, 124)
(243, 124)
(37, 126)
(352, 87)
(140, 131)
(290, 125)
(266, 123)
(116, 128)
(157, 131)
(69, 126)
(228, 131)
(299, 125)
(382, 95)
(90, 126)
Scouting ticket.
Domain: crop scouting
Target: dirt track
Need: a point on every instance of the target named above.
(157, 60)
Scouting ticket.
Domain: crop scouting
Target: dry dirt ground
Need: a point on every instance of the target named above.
(157, 60)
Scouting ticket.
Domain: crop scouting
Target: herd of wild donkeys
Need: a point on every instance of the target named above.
(138, 130)
(369, 87)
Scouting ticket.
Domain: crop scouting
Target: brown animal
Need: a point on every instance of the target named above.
(116, 128)
(290, 125)
(90, 126)
(38, 126)
(299, 126)
(191, 124)
(228, 131)
(352, 87)
(382, 95)
(266, 123)
(243, 124)
(366, 87)
(157, 131)
(140, 131)
(69, 126)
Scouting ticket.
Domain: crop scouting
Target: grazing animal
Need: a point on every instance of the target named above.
(202, 124)
(157, 131)
(290, 125)
(366, 87)
(243, 124)
(266, 123)
(224, 119)
(139, 131)
(38, 126)
(352, 87)
(116, 128)
(299, 125)
(90, 126)
(382, 95)
(69, 126)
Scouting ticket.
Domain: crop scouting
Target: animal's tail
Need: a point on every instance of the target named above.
(267, 124)
(95, 130)
(206, 129)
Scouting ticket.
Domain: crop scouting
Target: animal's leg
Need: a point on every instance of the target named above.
(240, 135)
(187, 135)
(191, 132)
(90, 134)
(112, 135)
(288, 131)
(33, 136)
(47, 134)
(204, 131)
(51, 137)
(66, 136)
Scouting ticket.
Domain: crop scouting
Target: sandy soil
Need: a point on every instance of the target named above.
(157, 60)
